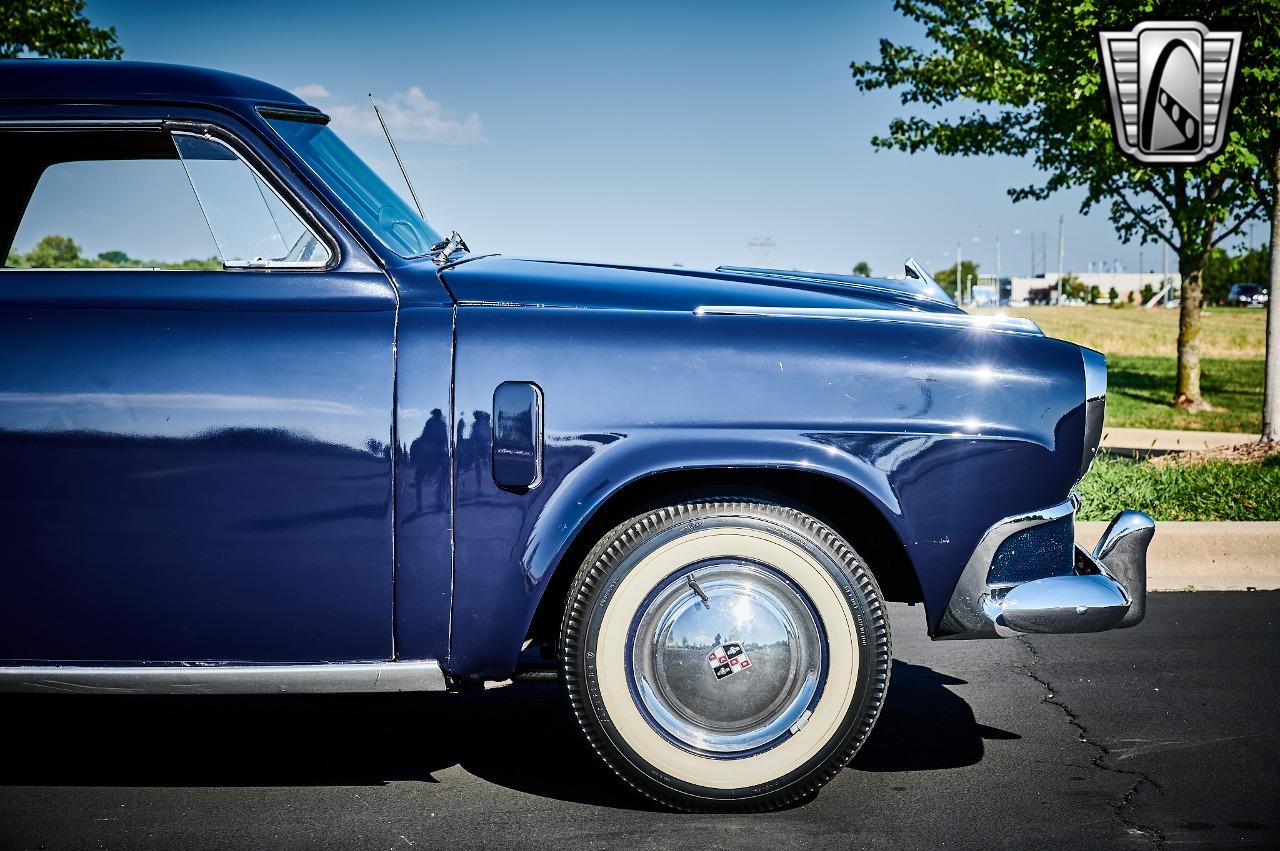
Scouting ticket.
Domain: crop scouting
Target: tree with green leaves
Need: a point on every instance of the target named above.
(1073, 288)
(863, 268)
(1029, 70)
(1224, 269)
(54, 252)
(56, 29)
(947, 277)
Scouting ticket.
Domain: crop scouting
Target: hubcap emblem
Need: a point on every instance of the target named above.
(728, 659)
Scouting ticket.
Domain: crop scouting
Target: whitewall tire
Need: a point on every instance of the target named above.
(725, 654)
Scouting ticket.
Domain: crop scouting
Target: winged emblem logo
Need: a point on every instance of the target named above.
(1170, 88)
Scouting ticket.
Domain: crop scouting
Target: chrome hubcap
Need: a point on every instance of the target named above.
(727, 657)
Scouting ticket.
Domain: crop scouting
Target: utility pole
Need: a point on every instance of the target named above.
(1039, 253)
(997, 260)
(1062, 236)
(959, 278)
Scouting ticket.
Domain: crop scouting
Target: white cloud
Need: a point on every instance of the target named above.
(311, 91)
(411, 116)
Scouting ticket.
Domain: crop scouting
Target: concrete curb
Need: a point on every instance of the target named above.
(1209, 556)
(1165, 440)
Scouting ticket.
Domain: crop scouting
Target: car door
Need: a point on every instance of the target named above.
(196, 393)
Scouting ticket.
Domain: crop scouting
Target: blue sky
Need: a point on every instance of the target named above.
(657, 133)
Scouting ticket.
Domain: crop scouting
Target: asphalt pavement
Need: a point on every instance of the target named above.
(1163, 736)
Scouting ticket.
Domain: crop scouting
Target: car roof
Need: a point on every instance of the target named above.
(91, 80)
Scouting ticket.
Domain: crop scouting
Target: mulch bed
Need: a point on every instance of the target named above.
(1243, 453)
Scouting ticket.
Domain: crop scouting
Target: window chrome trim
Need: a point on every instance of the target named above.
(320, 678)
(243, 150)
(318, 233)
(276, 264)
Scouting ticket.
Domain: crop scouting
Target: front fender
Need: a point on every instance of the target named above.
(944, 431)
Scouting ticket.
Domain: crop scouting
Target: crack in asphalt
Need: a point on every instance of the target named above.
(1123, 809)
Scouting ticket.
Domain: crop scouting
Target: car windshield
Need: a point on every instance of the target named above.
(368, 196)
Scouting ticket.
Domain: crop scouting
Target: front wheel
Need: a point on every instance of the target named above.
(725, 655)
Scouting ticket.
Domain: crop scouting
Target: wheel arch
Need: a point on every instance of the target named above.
(853, 512)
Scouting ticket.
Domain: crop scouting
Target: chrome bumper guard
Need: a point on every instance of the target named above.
(1106, 590)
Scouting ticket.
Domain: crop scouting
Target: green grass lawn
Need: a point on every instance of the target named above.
(1213, 490)
(1139, 389)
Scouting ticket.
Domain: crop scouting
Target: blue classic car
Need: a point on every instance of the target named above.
(264, 430)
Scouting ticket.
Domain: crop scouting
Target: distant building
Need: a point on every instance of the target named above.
(988, 291)
(1030, 288)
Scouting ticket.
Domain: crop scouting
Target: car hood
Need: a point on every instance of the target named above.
(555, 283)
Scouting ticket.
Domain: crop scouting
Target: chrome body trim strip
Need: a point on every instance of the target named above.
(1107, 589)
(1095, 404)
(322, 678)
(1004, 324)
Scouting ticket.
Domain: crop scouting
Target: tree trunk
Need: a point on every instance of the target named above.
(1187, 396)
(1271, 391)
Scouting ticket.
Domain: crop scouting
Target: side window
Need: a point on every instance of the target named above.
(143, 199)
(250, 223)
(100, 199)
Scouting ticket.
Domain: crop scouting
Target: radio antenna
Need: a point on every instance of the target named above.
(396, 152)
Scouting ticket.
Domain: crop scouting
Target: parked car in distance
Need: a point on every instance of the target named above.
(1247, 295)
(265, 430)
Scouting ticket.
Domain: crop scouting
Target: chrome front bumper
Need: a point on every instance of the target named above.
(1100, 590)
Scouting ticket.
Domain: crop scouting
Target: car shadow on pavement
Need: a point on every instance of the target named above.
(924, 726)
(520, 736)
